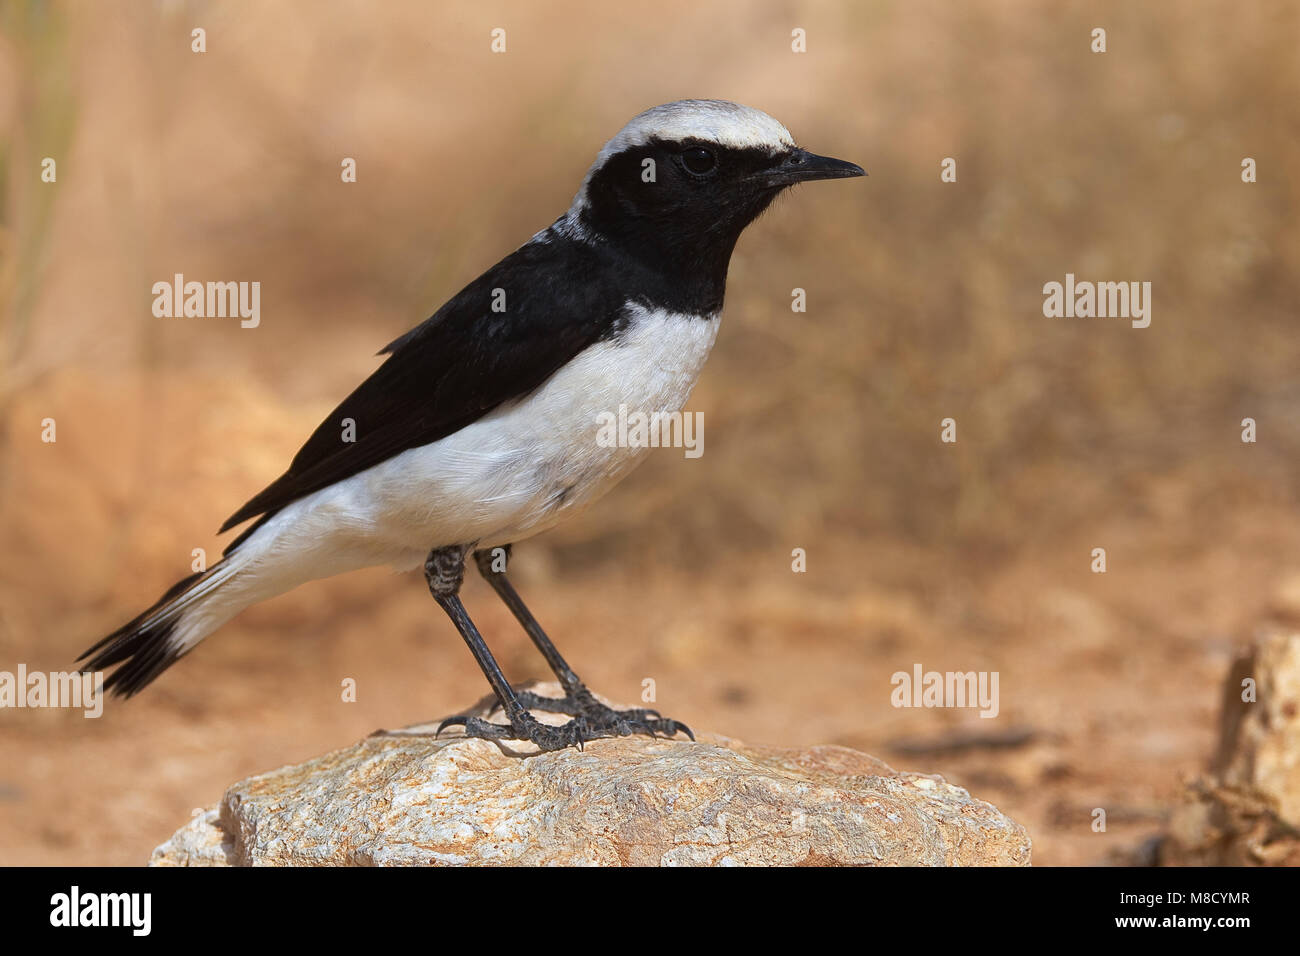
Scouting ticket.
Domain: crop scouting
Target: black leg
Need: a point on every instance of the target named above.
(506, 591)
(578, 701)
(444, 570)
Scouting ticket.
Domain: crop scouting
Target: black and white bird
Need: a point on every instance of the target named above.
(480, 427)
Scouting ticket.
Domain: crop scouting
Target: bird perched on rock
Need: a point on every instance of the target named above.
(480, 427)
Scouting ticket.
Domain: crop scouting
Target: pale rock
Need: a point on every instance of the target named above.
(406, 798)
(1260, 744)
(1246, 811)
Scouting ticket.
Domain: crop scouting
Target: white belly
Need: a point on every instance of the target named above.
(514, 473)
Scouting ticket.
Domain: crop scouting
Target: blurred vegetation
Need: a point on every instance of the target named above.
(37, 122)
(924, 297)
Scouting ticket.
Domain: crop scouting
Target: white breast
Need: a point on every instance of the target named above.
(513, 473)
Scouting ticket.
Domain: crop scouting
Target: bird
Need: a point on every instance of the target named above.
(478, 429)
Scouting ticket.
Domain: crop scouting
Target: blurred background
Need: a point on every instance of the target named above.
(821, 428)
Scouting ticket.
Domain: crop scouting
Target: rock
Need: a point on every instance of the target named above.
(1285, 600)
(1246, 811)
(404, 798)
(1261, 738)
(201, 842)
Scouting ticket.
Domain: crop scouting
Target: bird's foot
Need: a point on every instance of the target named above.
(606, 721)
(575, 733)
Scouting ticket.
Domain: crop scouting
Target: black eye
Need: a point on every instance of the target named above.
(698, 160)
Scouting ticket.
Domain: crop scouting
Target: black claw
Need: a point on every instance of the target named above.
(449, 722)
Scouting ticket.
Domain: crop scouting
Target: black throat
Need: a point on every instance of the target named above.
(675, 232)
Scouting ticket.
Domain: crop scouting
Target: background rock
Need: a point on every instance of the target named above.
(404, 798)
(1247, 810)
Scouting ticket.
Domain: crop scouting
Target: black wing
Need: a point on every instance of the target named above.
(458, 365)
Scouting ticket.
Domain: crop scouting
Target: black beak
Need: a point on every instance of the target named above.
(801, 166)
